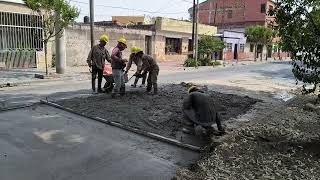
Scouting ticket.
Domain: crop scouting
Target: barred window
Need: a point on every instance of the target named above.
(173, 46)
(229, 47)
(20, 31)
(241, 48)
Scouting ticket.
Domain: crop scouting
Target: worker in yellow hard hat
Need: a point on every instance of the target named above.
(96, 61)
(149, 66)
(138, 63)
(118, 64)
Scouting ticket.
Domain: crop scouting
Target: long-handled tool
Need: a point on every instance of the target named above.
(130, 78)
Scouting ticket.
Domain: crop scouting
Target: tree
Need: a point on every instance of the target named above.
(299, 28)
(267, 39)
(259, 35)
(56, 15)
(209, 45)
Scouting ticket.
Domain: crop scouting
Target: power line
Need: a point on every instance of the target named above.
(187, 1)
(126, 8)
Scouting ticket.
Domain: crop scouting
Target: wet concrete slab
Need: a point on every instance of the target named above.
(41, 142)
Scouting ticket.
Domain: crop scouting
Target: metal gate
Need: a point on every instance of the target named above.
(20, 39)
(18, 59)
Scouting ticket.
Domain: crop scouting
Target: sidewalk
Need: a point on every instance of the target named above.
(16, 77)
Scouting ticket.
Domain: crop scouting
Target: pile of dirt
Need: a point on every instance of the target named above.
(282, 145)
(161, 114)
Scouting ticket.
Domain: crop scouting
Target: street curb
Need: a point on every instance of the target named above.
(128, 128)
(5, 85)
(17, 107)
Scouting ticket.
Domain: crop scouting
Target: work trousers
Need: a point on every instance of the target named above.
(152, 79)
(94, 72)
(118, 77)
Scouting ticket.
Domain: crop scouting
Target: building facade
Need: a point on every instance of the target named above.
(235, 15)
(165, 39)
(20, 37)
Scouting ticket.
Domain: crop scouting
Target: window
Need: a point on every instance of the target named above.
(190, 45)
(270, 7)
(241, 48)
(263, 8)
(173, 46)
(251, 47)
(229, 14)
(20, 31)
(229, 47)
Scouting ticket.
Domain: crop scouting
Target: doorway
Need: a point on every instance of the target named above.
(148, 45)
(235, 52)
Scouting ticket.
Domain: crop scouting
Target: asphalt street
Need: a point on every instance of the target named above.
(42, 142)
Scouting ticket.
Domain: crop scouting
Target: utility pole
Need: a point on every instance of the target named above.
(61, 62)
(196, 35)
(193, 26)
(91, 22)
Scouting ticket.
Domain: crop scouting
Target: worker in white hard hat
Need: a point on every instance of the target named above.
(118, 64)
(96, 61)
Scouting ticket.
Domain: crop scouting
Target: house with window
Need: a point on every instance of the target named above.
(236, 16)
(20, 36)
(164, 39)
(173, 38)
(236, 45)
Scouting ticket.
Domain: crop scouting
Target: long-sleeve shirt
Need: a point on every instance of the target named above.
(200, 109)
(116, 59)
(136, 61)
(148, 63)
(97, 56)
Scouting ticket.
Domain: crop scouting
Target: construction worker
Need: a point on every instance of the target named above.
(149, 65)
(96, 61)
(138, 63)
(117, 64)
(199, 109)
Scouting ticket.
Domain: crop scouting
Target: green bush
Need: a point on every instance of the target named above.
(190, 62)
(217, 63)
(206, 62)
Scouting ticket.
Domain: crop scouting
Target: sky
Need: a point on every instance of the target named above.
(104, 9)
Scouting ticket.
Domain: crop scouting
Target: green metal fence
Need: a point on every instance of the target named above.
(18, 59)
(20, 39)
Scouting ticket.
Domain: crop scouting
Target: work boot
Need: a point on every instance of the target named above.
(155, 89)
(122, 91)
(149, 87)
(101, 91)
(93, 85)
(142, 85)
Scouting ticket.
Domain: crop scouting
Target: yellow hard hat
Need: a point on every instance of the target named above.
(123, 41)
(104, 38)
(134, 50)
(138, 50)
(193, 88)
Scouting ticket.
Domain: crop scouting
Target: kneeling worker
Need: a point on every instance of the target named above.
(200, 110)
(149, 65)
